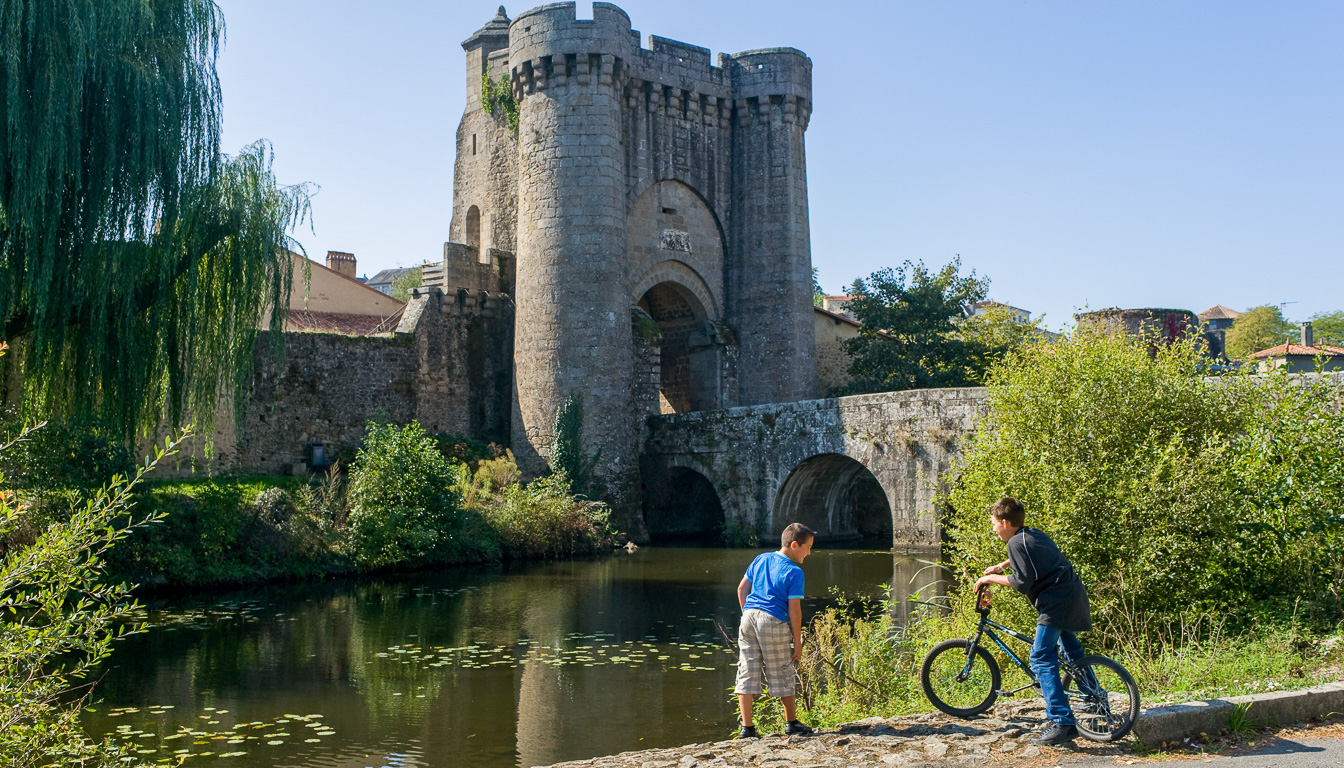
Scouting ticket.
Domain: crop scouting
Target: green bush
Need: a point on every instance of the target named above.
(226, 530)
(72, 456)
(404, 508)
(544, 519)
(1173, 493)
(61, 616)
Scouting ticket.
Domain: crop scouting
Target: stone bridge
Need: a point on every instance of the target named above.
(867, 465)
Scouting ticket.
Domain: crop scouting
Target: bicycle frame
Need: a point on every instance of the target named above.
(987, 627)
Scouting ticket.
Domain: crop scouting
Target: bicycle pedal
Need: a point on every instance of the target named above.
(1004, 692)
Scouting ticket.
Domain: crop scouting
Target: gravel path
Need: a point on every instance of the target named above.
(876, 742)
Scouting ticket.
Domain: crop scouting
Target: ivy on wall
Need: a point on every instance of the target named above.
(497, 97)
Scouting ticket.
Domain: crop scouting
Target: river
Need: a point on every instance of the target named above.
(477, 666)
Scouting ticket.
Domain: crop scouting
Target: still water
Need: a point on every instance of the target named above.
(493, 667)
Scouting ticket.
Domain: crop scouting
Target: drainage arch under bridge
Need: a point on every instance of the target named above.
(835, 496)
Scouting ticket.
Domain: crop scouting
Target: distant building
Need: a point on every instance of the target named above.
(383, 281)
(1019, 315)
(832, 329)
(1299, 358)
(838, 305)
(1218, 317)
(330, 299)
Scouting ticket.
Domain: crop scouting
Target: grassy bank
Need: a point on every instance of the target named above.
(857, 663)
(405, 503)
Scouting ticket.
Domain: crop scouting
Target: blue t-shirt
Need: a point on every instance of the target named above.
(775, 580)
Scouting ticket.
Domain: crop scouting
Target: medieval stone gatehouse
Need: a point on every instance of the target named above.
(638, 184)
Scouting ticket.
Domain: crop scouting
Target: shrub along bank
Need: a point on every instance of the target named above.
(1205, 516)
(409, 500)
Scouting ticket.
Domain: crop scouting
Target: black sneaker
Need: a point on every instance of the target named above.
(795, 728)
(1054, 734)
(747, 732)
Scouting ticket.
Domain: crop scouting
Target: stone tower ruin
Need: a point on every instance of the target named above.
(648, 215)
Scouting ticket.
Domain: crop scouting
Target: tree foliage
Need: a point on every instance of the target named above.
(1328, 328)
(401, 287)
(1258, 328)
(60, 621)
(1174, 494)
(910, 338)
(567, 456)
(136, 260)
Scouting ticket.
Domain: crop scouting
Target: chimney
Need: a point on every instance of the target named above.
(338, 261)
(1306, 335)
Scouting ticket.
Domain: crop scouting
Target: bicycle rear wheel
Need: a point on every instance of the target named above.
(958, 688)
(1106, 706)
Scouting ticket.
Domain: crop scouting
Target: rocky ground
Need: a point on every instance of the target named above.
(874, 743)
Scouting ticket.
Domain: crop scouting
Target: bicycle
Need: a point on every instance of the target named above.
(962, 678)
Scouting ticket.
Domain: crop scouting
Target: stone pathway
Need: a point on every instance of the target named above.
(910, 741)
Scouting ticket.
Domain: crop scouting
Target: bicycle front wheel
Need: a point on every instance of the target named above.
(1105, 701)
(958, 682)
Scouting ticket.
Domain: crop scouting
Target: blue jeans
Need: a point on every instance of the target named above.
(1045, 663)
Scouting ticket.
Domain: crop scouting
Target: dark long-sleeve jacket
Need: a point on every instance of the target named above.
(1046, 577)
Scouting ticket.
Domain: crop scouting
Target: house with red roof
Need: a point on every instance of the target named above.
(330, 299)
(1300, 358)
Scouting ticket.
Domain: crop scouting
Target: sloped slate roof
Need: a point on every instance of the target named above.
(1219, 312)
(390, 275)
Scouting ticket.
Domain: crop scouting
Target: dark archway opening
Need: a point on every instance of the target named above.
(683, 507)
(835, 496)
(688, 366)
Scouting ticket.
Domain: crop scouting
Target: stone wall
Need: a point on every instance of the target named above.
(816, 461)
(832, 360)
(448, 366)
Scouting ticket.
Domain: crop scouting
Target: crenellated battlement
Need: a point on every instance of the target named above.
(548, 47)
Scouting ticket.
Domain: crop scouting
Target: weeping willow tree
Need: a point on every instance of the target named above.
(137, 262)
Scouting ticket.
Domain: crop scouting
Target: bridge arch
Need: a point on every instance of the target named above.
(834, 495)
(683, 505)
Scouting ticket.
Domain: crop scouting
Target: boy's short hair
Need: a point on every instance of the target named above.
(1009, 509)
(796, 532)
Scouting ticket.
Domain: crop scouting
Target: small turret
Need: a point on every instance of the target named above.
(494, 36)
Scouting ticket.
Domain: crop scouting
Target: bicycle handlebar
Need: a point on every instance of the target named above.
(983, 597)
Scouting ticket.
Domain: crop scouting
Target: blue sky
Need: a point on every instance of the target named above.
(1080, 154)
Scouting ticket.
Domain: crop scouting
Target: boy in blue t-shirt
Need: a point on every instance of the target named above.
(770, 637)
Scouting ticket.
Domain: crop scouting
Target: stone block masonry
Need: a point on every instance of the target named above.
(448, 365)
(837, 464)
(638, 180)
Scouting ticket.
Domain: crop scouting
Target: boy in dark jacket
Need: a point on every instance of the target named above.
(1042, 573)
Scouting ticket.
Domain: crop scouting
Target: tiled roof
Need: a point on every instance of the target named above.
(1284, 350)
(340, 322)
(1219, 312)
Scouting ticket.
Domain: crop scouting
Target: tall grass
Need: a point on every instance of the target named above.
(859, 662)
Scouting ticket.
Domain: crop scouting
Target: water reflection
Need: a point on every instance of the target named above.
(491, 667)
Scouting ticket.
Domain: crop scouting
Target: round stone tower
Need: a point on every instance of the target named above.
(770, 277)
(573, 327)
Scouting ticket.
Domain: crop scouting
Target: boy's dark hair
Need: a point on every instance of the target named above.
(1009, 509)
(796, 532)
